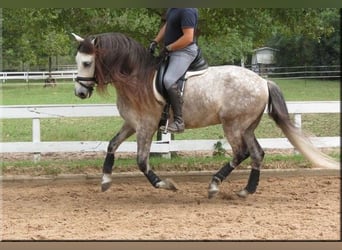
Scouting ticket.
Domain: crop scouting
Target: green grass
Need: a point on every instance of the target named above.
(103, 129)
(178, 163)
(84, 129)
(34, 94)
(310, 90)
(63, 93)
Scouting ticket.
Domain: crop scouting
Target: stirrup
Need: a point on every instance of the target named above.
(164, 128)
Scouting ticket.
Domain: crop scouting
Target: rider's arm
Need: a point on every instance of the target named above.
(160, 34)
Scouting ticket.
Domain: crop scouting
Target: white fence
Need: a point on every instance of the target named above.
(297, 72)
(165, 146)
(37, 75)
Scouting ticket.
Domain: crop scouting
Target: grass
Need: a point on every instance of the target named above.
(103, 129)
(178, 163)
(310, 90)
(76, 129)
(93, 165)
(63, 93)
(34, 94)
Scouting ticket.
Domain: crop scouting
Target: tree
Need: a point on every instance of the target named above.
(234, 33)
(320, 48)
(31, 36)
(54, 44)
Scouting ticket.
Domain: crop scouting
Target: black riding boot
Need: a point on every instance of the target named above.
(176, 102)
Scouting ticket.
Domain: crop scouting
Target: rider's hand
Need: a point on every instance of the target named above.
(152, 47)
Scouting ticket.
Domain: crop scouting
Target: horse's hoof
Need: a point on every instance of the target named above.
(167, 184)
(171, 185)
(105, 186)
(213, 190)
(243, 193)
(212, 193)
(106, 182)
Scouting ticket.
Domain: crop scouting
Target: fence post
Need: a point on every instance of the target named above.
(165, 138)
(298, 120)
(36, 137)
(298, 124)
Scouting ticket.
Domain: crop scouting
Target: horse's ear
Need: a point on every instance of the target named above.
(78, 38)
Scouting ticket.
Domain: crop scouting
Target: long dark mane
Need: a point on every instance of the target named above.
(123, 62)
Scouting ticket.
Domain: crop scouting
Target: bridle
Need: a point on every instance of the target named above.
(89, 87)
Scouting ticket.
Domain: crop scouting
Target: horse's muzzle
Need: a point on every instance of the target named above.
(89, 88)
(83, 94)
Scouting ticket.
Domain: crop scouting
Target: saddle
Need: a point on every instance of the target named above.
(197, 67)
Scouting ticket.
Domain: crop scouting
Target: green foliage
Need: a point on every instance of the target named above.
(32, 36)
(310, 48)
(229, 35)
(218, 149)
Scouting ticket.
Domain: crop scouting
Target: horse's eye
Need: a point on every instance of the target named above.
(86, 64)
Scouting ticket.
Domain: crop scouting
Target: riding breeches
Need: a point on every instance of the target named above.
(179, 62)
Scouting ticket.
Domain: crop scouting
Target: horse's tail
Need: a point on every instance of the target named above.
(278, 111)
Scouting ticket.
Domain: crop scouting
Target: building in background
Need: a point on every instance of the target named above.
(262, 59)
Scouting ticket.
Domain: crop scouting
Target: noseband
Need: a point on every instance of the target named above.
(86, 79)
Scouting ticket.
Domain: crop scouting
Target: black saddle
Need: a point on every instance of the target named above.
(198, 64)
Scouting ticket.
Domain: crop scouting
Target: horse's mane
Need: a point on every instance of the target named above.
(125, 63)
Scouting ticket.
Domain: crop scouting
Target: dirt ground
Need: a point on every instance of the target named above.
(284, 208)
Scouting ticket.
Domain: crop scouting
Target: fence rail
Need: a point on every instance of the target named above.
(165, 145)
(37, 75)
(298, 72)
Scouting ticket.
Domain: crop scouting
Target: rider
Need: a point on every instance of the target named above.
(179, 40)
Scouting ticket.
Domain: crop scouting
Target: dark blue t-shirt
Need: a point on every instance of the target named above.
(177, 19)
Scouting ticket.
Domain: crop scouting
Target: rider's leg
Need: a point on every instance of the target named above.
(176, 101)
(179, 62)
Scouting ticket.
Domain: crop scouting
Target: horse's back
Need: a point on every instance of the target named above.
(223, 92)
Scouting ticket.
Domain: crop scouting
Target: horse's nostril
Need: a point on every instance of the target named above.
(82, 95)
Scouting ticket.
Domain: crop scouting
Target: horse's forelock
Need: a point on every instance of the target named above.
(86, 47)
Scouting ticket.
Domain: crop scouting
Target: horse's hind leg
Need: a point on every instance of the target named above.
(240, 153)
(257, 156)
(125, 132)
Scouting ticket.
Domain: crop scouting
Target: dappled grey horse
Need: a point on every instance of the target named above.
(229, 95)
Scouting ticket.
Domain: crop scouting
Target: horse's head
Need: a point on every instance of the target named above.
(85, 59)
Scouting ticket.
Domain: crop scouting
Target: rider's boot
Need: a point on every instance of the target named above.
(176, 101)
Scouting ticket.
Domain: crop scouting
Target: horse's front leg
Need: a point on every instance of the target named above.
(144, 145)
(125, 132)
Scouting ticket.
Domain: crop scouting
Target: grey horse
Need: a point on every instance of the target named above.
(229, 95)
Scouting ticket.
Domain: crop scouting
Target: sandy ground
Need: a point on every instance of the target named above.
(284, 208)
